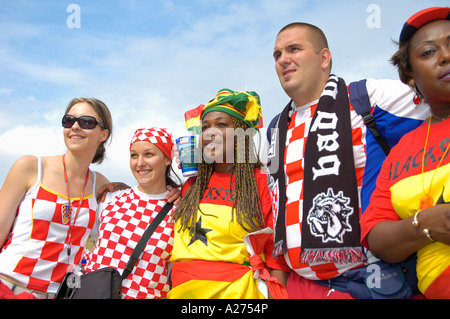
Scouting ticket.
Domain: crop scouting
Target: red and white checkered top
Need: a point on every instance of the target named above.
(35, 253)
(294, 169)
(122, 222)
(157, 136)
(393, 100)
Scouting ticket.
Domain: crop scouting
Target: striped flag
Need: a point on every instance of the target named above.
(193, 119)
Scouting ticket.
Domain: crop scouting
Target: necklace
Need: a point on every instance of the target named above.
(427, 200)
(441, 118)
(69, 205)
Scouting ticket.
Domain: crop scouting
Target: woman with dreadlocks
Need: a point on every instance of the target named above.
(226, 202)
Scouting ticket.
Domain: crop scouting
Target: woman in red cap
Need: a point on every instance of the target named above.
(409, 211)
(126, 214)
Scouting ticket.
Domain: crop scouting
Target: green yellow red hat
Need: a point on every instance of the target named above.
(245, 106)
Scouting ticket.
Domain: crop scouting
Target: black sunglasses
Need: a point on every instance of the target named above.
(86, 122)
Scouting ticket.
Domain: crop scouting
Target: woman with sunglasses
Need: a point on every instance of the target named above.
(48, 205)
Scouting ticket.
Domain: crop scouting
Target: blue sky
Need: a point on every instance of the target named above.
(152, 60)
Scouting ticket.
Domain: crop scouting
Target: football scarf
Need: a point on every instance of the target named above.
(330, 225)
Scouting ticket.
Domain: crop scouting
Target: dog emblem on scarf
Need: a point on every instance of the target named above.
(328, 218)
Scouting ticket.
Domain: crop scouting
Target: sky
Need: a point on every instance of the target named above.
(152, 60)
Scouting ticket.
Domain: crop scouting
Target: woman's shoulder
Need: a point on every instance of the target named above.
(24, 171)
(27, 161)
(26, 165)
(100, 180)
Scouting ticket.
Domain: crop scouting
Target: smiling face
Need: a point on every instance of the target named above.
(148, 165)
(218, 139)
(84, 141)
(429, 56)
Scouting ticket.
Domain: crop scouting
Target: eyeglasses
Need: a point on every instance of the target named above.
(86, 122)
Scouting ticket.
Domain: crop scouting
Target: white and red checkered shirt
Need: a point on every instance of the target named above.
(294, 168)
(123, 220)
(35, 253)
(391, 97)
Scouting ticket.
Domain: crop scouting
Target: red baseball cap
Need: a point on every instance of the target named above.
(421, 18)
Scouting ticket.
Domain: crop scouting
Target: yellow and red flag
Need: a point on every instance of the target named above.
(193, 119)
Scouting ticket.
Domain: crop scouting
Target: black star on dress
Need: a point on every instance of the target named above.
(200, 233)
(441, 199)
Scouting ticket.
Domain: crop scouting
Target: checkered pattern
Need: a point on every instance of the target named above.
(294, 168)
(122, 224)
(158, 136)
(35, 254)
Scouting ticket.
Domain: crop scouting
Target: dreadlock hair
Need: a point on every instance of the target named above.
(246, 203)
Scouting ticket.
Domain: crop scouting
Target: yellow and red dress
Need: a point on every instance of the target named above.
(214, 262)
(400, 187)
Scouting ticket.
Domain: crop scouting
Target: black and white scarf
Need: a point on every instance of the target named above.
(330, 225)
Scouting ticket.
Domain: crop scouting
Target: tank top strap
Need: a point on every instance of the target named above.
(94, 181)
(39, 176)
(39, 171)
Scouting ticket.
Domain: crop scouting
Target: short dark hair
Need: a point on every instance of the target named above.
(316, 35)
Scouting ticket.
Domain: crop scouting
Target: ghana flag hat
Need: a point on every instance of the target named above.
(157, 136)
(245, 106)
(421, 18)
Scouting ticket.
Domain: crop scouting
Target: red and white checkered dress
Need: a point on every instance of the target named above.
(123, 220)
(35, 253)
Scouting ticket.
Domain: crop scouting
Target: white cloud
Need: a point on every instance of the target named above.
(39, 71)
(5, 91)
(40, 141)
(151, 78)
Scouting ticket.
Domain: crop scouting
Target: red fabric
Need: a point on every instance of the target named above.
(440, 286)
(428, 15)
(6, 293)
(302, 288)
(258, 241)
(266, 206)
(276, 289)
(160, 137)
(207, 270)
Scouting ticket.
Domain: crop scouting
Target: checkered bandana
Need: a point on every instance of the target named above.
(157, 136)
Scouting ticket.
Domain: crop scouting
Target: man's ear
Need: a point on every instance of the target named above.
(325, 56)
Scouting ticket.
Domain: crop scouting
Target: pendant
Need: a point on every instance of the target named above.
(426, 202)
(65, 212)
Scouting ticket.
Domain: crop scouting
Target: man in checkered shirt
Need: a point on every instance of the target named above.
(303, 66)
